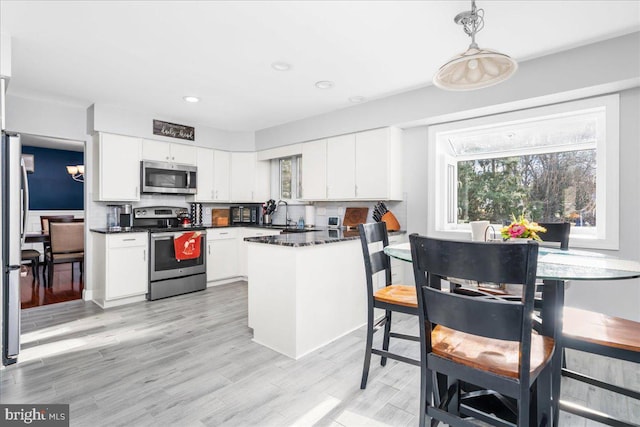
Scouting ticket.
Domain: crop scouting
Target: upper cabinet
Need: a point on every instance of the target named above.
(168, 152)
(314, 170)
(221, 172)
(205, 165)
(378, 161)
(341, 157)
(249, 178)
(360, 166)
(117, 168)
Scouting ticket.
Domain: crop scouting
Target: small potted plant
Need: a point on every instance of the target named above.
(522, 228)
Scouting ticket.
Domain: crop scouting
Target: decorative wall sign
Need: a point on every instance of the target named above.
(173, 130)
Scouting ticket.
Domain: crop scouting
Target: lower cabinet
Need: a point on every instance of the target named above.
(227, 251)
(124, 272)
(222, 254)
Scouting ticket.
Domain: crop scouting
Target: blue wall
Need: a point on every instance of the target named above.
(50, 186)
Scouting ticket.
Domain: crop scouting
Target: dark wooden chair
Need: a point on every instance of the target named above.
(390, 298)
(33, 256)
(603, 335)
(485, 341)
(66, 240)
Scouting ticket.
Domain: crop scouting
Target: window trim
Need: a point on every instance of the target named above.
(296, 168)
(607, 155)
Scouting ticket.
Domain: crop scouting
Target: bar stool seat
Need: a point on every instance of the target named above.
(602, 330)
(398, 294)
(33, 256)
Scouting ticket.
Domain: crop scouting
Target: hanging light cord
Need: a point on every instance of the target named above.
(472, 22)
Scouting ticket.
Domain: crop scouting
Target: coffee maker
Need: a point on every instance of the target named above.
(126, 217)
(119, 217)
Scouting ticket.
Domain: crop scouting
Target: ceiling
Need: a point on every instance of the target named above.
(147, 55)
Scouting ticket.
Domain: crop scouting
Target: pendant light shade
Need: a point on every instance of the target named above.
(476, 68)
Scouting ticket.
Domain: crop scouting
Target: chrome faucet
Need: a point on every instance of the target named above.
(286, 211)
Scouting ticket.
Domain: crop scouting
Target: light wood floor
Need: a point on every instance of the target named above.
(190, 361)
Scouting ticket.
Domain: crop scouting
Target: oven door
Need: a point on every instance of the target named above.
(164, 264)
(168, 178)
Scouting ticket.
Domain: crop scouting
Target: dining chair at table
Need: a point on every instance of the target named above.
(482, 341)
(66, 245)
(390, 297)
(44, 221)
(33, 256)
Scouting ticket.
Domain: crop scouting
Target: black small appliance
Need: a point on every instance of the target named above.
(245, 214)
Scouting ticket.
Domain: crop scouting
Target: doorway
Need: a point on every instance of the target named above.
(56, 190)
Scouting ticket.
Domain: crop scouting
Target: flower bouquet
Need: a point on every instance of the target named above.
(522, 228)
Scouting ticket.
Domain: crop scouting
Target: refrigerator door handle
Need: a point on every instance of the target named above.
(25, 201)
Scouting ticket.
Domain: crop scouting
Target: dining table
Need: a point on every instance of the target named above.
(555, 267)
(39, 237)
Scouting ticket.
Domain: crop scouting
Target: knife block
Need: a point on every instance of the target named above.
(392, 221)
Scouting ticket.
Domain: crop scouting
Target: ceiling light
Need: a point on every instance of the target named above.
(281, 66)
(324, 84)
(476, 68)
(357, 99)
(191, 98)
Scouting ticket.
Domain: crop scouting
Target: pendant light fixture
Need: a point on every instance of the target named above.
(476, 68)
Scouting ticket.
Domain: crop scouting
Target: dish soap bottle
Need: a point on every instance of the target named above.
(300, 223)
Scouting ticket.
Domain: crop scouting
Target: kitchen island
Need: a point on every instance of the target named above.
(306, 289)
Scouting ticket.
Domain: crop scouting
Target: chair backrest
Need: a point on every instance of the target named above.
(374, 235)
(44, 221)
(556, 232)
(435, 259)
(66, 237)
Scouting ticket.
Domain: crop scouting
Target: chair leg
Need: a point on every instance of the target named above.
(387, 332)
(367, 352)
(543, 397)
(524, 405)
(50, 275)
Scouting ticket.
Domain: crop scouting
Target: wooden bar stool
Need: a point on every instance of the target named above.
(480, 340)
(390, 298)
(603, 335)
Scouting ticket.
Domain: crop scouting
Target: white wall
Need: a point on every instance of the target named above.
(45, 118)
(595, 69)
(602, 67)
(106, 118)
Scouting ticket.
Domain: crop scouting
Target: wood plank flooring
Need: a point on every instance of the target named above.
(66, 287)
(190, 361)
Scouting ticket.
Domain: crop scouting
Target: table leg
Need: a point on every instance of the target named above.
(553, 303)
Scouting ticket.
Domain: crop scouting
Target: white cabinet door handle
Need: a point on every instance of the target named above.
(144, 255)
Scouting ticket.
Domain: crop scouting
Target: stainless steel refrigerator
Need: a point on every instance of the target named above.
(15, 206)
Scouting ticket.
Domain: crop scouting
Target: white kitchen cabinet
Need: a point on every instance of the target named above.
(222, 254)
(168, 152)
(314, 170)
(243, 175)
(242, 245)
(341, 159)
(221, 174)
(359, 166)
(250, 181)
(205, 165)
(116, 177)
(124, 272)
(378, 164)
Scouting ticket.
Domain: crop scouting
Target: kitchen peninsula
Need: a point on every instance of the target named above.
(307, 289)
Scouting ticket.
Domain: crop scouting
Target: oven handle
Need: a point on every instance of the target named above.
(172, 234)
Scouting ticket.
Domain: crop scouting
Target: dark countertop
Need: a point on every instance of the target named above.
(105, 230)
(312, 238)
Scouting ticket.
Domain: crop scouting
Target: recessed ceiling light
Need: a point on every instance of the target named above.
(191, 98)
(281, 66)
(357, 99)
(324, 84)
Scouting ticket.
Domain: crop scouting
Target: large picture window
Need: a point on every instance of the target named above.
(556, 163)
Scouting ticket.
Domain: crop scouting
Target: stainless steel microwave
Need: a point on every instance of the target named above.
(167, 178)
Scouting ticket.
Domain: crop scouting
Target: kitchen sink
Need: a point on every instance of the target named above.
(297, 230)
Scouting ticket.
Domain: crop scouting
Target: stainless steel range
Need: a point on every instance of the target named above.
(169, 275)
